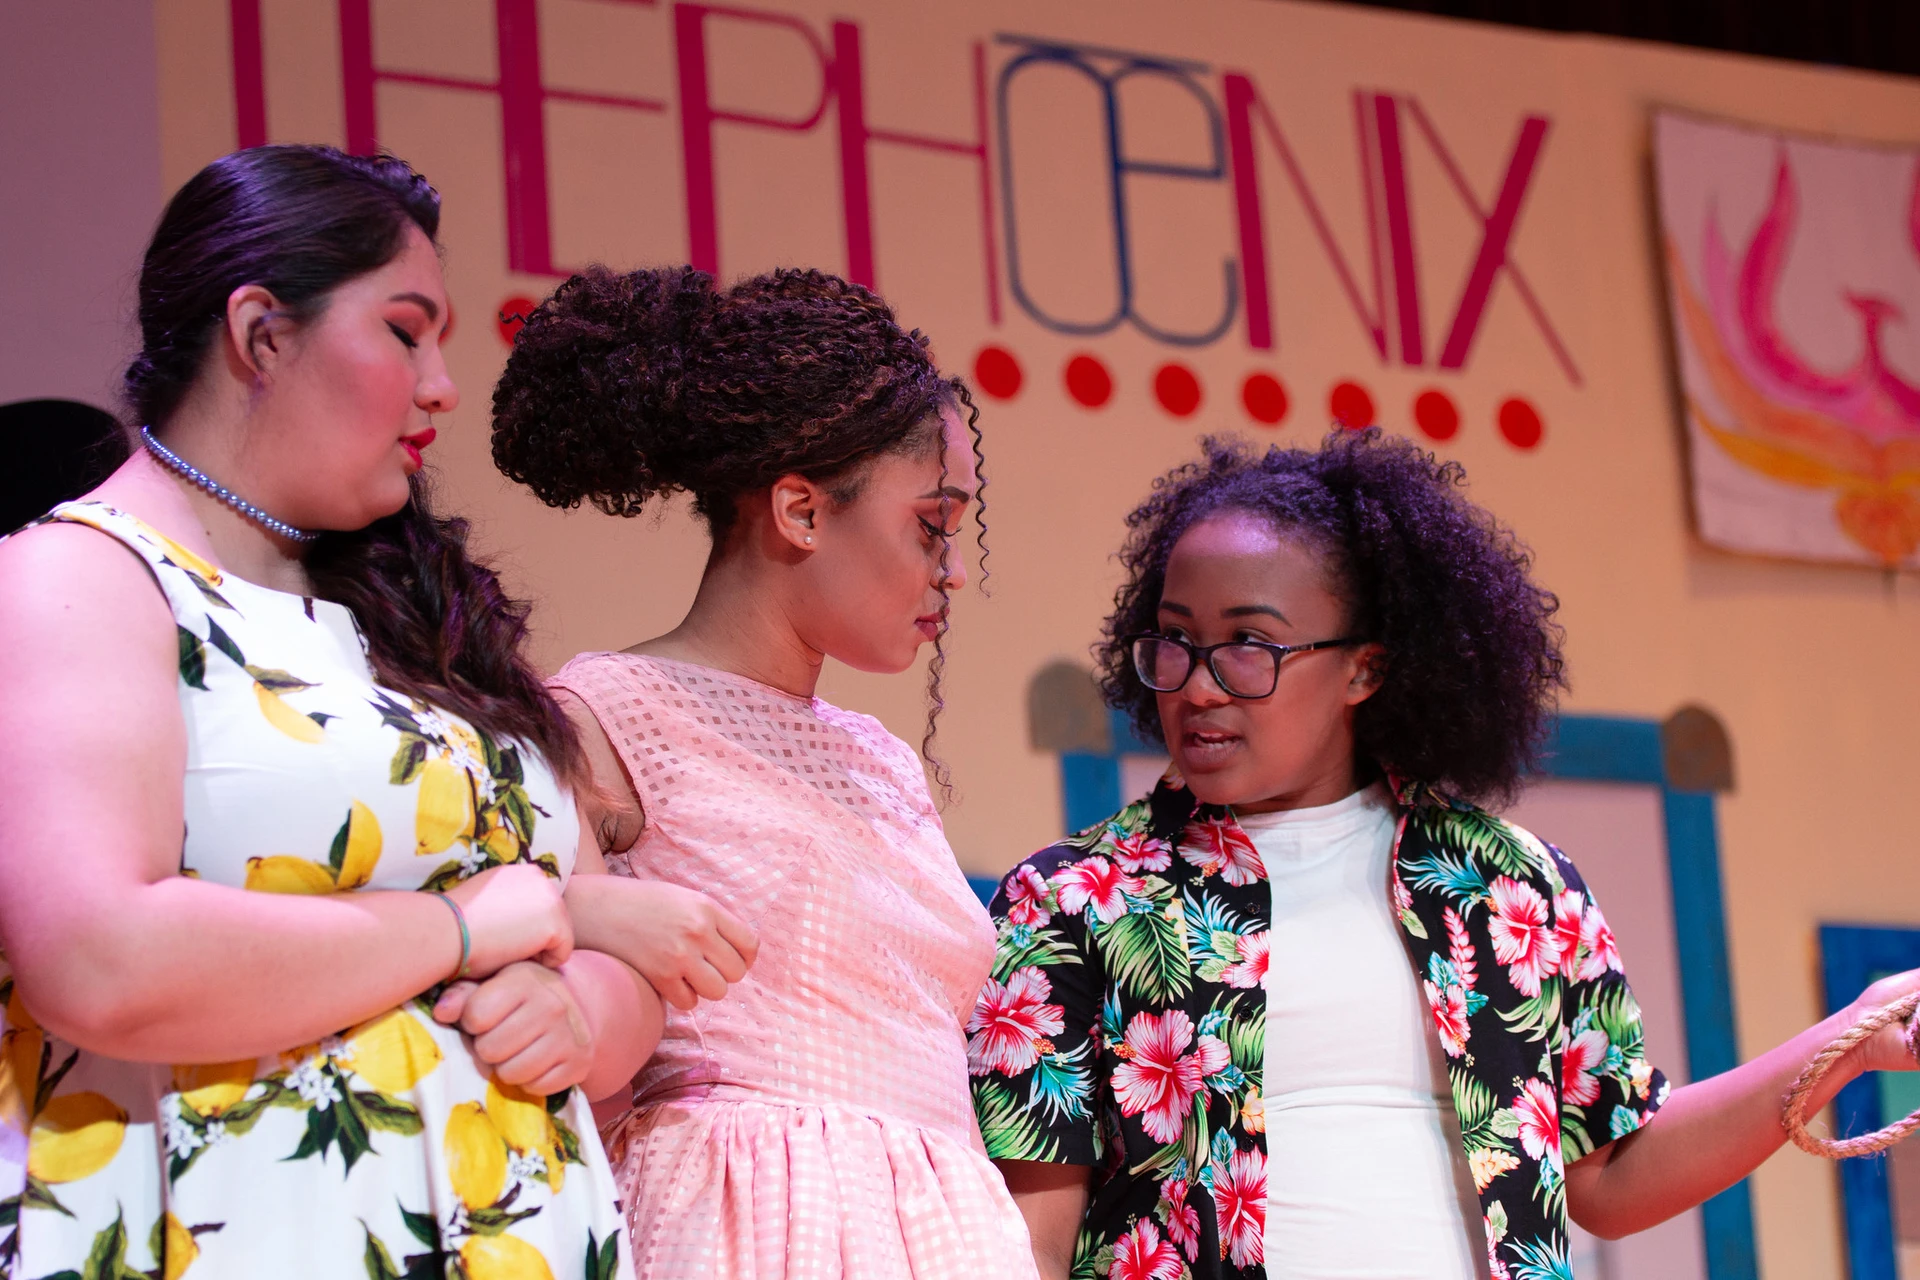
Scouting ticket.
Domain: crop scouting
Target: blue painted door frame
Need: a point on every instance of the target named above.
(1851, 956)
(1592, 749)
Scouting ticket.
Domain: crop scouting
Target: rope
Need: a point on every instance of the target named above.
(1793, 1115)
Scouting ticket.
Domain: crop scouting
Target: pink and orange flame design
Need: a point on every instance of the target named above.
(1856, 432)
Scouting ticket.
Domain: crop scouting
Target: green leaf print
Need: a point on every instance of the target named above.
(408, 757)
(1453, 877)
(603, 1260)
(39, 1195)
(389, 1115)
(1476, 1107)
(1485, 837)
(422, 1226)
(1146, 952)
(379, 1261)
(1007, 1127)
(193, 659)
(277, 680)
(224, 643)
(1020, 947)
(213, 597)
(107, 1260)
(1535, 1019)
(1245, 1036)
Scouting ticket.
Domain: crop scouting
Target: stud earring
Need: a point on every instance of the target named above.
(809, 539)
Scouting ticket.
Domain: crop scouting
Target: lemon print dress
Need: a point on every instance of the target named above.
(383, 1150)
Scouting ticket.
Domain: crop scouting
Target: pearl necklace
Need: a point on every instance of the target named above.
(181, 467)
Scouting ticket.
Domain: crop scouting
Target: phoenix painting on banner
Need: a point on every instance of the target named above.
(1793, 273)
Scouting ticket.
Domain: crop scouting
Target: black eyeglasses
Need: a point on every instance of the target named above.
(1242, 668)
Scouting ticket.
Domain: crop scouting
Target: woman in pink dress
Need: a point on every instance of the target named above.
(817, 1121)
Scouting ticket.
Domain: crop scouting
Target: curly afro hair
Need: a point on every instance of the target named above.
(624, 386)
(1473, 657)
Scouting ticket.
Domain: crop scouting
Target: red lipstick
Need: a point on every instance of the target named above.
(414, 443)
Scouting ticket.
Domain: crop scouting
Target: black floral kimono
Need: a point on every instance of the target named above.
(1125, 1025)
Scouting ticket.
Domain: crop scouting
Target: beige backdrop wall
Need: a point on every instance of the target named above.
(1809, 667)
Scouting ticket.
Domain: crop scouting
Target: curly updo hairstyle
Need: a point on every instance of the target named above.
(1473, 666)
(301, 221)
(626, 386)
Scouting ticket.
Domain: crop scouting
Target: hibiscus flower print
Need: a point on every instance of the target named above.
(1538, 1114)
(1219, 847)
(1141, 1254)
(1027, 899)
(1523, 935)
(1568, 909)
(1240, 1200)
(1580, 1069)
(1007, 1032)
(1182, 1219)
(1449, 1005)
(1097, 887)
(1157, 1077)
(1137, 852)
(1251, 968)
(1602, 956)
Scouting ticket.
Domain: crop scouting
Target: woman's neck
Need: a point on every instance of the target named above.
(196, 519)
(740, 622)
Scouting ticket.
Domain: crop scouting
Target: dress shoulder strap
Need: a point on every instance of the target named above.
(190, 583)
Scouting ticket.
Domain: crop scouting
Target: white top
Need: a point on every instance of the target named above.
(1366, 1176)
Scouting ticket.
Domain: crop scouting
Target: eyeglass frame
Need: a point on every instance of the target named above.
(1198, 654)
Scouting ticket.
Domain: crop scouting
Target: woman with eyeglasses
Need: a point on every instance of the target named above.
(1306, 1010)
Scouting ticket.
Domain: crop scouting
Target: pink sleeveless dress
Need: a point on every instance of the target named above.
(817, 1122)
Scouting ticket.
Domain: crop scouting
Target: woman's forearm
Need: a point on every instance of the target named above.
(186, 971)
(1708, 1136)
(625, 1015)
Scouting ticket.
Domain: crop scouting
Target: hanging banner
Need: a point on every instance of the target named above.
(1794, 282)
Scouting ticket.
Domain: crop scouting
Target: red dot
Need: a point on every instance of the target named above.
(513, 315)
(1520, 423)
(1435, 413)
(1177, 389)
(1352, 406)
(1265, 398)
(997, 372)
(1088, 381)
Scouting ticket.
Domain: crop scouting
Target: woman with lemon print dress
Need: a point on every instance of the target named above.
(289, 986)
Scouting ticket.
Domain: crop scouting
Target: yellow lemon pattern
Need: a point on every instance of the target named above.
(212, 1088)
(392, 1052)
(74, 1137)
(476, 1157)
(360, 852)
(284, 874)
(377, 1145)
(444, 812)
(523, 1121)
(503, 1258)
(285, 718)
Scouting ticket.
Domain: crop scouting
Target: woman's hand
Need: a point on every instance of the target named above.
(686, 945)
(513, 913)
(525, 1024)
(1888, 1050)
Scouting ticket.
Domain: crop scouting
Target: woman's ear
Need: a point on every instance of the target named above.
(796, 503)
(1369, 669)
(256, 326)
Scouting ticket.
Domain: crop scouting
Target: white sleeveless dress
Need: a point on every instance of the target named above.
(384, 1150)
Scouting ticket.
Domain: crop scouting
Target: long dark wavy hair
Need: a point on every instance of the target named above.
(624, 386)
(300, 221)
(1473, 663)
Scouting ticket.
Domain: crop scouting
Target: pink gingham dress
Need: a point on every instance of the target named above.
(815, 1124)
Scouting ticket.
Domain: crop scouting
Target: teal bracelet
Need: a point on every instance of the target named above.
(466, 938)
